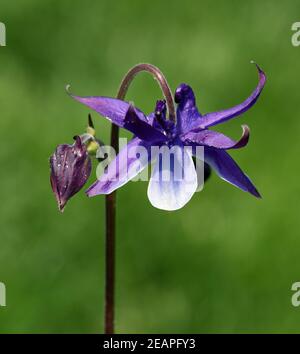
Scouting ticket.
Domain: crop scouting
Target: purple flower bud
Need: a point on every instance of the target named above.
(70, 167)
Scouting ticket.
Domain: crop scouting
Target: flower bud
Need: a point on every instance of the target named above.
(70, 168)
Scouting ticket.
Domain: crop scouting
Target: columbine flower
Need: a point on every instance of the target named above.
(70, 169)
(191, 129)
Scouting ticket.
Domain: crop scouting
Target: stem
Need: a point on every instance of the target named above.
(158, 75)
(110, 205)
(111, 198)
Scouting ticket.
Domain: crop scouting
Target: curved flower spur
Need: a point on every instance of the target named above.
(191, 129)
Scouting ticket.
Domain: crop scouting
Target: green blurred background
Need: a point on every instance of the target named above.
(225, 262)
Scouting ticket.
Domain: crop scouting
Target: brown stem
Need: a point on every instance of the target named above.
(111, 198)
(110, 205)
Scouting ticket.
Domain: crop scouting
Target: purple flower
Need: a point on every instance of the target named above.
(191, 129)
(70, 169)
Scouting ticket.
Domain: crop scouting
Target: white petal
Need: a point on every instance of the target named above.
(173, 181)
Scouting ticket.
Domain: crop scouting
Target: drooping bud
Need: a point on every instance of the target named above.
(70, 168)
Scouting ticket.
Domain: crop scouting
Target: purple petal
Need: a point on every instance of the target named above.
(214, 118)
(228, 170)
(142, 129)
(216, 140)
(111, 108)
(123, 168)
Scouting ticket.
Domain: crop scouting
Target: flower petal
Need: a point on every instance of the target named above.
(216, 140)
(111, 108)
(214, 118)
(228, 170)
(123, 168)
(174, 179)
(121, 113)
(142, 129)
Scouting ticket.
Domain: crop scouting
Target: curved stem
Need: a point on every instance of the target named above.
(158, 75)
(110, 204)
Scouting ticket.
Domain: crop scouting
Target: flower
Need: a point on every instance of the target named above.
(70, 167)
(191, 129)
